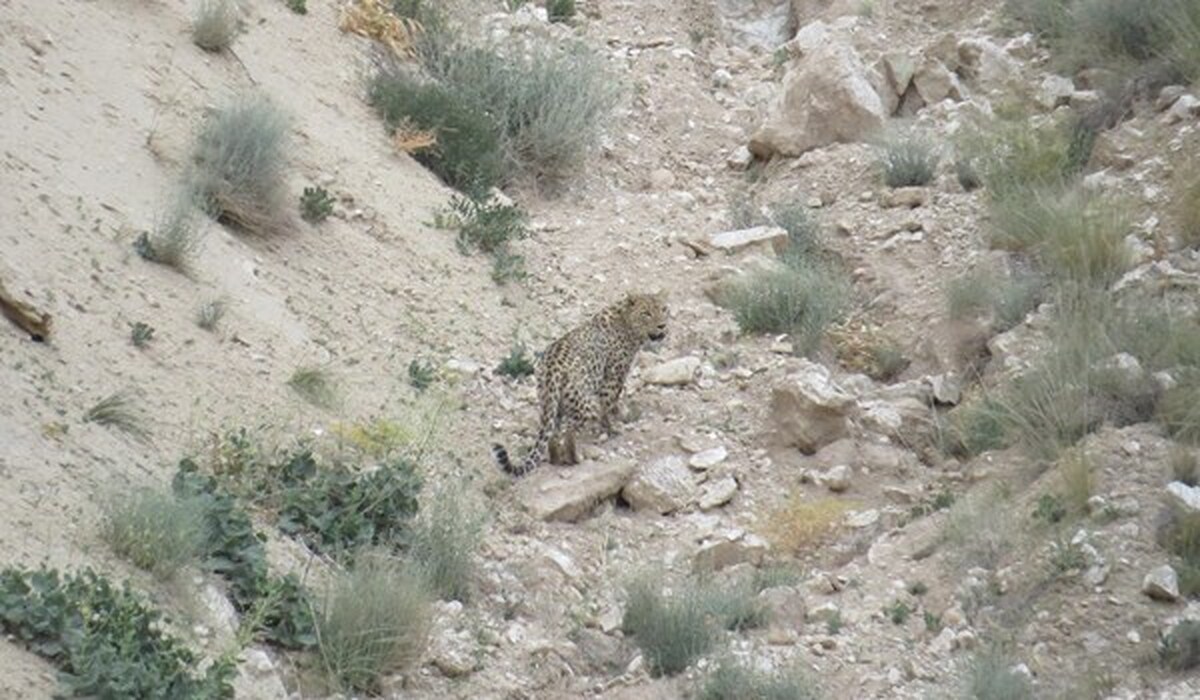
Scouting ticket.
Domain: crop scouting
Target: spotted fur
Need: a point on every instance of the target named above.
(582, 374)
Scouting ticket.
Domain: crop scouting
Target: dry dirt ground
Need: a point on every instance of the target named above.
(100, 99)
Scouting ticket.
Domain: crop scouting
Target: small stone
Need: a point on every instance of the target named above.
(1167, 97)
(759, 238)
(863, 518)
(907, 197)
(947, 389)
(837, 479)
(1162, 584)
(740, 159)
(717, 493)
(706, 459)
(661, 179)
(729, 549)
(1134, 637)
(677, 372)
(721, 78)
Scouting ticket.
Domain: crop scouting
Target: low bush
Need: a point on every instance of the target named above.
(671, 630)
(375, 621)
(442, 540)
(992, 677)
(517, 363)
(316, 386)
(281, 606)
(731, 680)
(176, 237)
(237, 166)
(800, 299)
(907, 160)
(1179, 649)
(315, 205)
(157, 531)
(106, 642)
(802, 523)
(215, 23)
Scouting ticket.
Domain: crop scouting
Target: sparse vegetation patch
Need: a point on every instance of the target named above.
(734, 681)
(237, 168)
(671, 630)
(157, 531)
(798, 299)
(315, 205)
(215, 23)
(106, 642)
(907, 160)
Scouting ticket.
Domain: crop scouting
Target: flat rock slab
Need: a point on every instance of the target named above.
(758, 237)
(570, 493)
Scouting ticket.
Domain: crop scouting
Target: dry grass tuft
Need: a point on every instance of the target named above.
(802, 523)
(374, 20)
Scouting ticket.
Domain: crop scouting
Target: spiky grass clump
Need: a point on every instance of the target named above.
(118, 410)
(215, 23)
(316, 385)
(517, 363)
(992, 677)
(1005, 300)
(315, 205)
(1179, 410)
(157, 531)
(734, 681)
(803, 230)
(374, 621)
(671, 630)
(1179, 649)
(1017, 156)
(1187, 204)
(980, 529)
(801, 299)
(176, 237)
(908, 160)
(1185, 468)
(238, 161)
(210, 314)
(443, 539)
(1076, 235)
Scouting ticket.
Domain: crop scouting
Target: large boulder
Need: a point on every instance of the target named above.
(570, 493)
(828, 96)
(809, 410)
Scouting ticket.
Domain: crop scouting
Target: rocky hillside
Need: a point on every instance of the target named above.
(924, 423)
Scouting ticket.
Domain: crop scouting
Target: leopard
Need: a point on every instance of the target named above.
(581, 376)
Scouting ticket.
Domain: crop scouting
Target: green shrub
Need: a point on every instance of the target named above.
(421, 374)
(517, 363)
(280, 606)
(1179, 649)
(733, 681)
(1048, 19)
(237, 169)
(1076, 235)
(210, 314)
(1186, 186)
(672, 631)
(898, 612)
(803, 229)
(1050, 509)
(316, 385)
(300, 7)
(468, 155)
(1185, 467)
(1179, 410)
(560, 10)
(215, 24)
(375, 621)
(158, 532)
(992, 678)
(1116, 30)
(907, 160)
(1005, 299)
(978, 426)
(488, 225)
(735, 605)
(315, 204)
(106, 642)
(801, 299)
(442, 541)
(140, 334)
(176, 237)
(334, 509)
(1181, 23)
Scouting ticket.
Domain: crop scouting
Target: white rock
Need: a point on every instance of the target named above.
(809, 410)
(836, 479)
(677, 372)
(740, 159)
(1185, 497)
(663, 486)
(1161, 584)
(717, 493)
(828, 96)
(757, 238)
(863, 518)
(706, 459)
(1186, 107)
(1055, 91)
